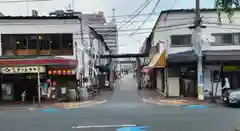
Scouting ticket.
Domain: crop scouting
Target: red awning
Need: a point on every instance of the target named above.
(38, 61)
(146, 69)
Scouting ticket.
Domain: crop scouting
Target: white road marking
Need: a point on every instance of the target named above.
(162, 104)
(102, 102)
(31, 109)
(144, 100)
(92, 104)
(103, 126)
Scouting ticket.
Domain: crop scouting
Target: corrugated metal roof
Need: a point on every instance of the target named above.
(191, 10)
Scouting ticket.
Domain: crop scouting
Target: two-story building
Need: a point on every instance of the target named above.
(46, 45)
(220, 46)
(98, 66)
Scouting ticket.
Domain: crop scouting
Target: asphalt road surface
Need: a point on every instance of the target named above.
(125, 108)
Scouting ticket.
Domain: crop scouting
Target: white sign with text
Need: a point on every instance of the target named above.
(20, 70)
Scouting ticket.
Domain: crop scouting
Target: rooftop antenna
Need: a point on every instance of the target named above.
(27, 2)
(113, 21)
(73, 5)
(69, 6)
(113, 13)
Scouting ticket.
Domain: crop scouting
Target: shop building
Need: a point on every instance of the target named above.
(220, 46)
(45, 46)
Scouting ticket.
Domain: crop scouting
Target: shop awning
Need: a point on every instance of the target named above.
(222, 55)
(103, 68)
(36, 60)
(182, 57)
(158, 61)
(146, 69)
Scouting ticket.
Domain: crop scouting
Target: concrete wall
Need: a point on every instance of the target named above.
(178, 23)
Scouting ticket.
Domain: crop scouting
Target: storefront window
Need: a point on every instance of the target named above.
(55, 41)
(44, 42)
(21, 41)
(32, 42)
(67, 41)
(56, 44)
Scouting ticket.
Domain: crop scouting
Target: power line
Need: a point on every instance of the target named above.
(174, 3)
(139, 8)
(230, 28)
(129, 15)
(146, 3)
(147, 32)
(153, 10)
(136, 21)
(137, 14)
(216, 23)
(144, 29)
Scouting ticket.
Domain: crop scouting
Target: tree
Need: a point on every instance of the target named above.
(226, 6)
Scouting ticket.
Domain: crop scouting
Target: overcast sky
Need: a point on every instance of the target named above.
(122, 7)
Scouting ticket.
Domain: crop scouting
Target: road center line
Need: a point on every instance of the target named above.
(103, 126)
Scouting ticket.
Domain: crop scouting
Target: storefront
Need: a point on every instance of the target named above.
(182, 74)
(27, 73)
(219, 65)
(15, 80)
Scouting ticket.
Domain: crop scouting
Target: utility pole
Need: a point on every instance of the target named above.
(39, 86)
(197, 44)
(138, 74)
(80, 58)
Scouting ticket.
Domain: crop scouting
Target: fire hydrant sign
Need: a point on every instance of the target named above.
(20, 70)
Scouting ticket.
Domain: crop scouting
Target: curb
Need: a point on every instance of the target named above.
(71, 104)
(93, 103)
(178, 105)
(76, 105)
(20, 110)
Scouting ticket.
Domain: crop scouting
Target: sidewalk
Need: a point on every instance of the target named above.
(22, 107)
(19, 106)
(153, 96)
(104, 95)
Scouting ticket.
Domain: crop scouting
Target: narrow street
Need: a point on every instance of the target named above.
(124, 108)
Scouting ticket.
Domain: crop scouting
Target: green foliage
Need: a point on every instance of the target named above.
(226, 6)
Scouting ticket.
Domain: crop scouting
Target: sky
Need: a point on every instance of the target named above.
(128, 43)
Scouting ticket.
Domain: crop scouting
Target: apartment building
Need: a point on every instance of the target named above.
(220, 45)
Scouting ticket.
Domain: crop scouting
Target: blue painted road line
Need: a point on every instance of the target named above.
(49, 110)
(134, 128)
(196, 106)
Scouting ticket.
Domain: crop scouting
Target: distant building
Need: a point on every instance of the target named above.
(97, 20)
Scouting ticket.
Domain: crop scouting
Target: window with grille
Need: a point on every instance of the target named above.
(181, 40)
(227, 39)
